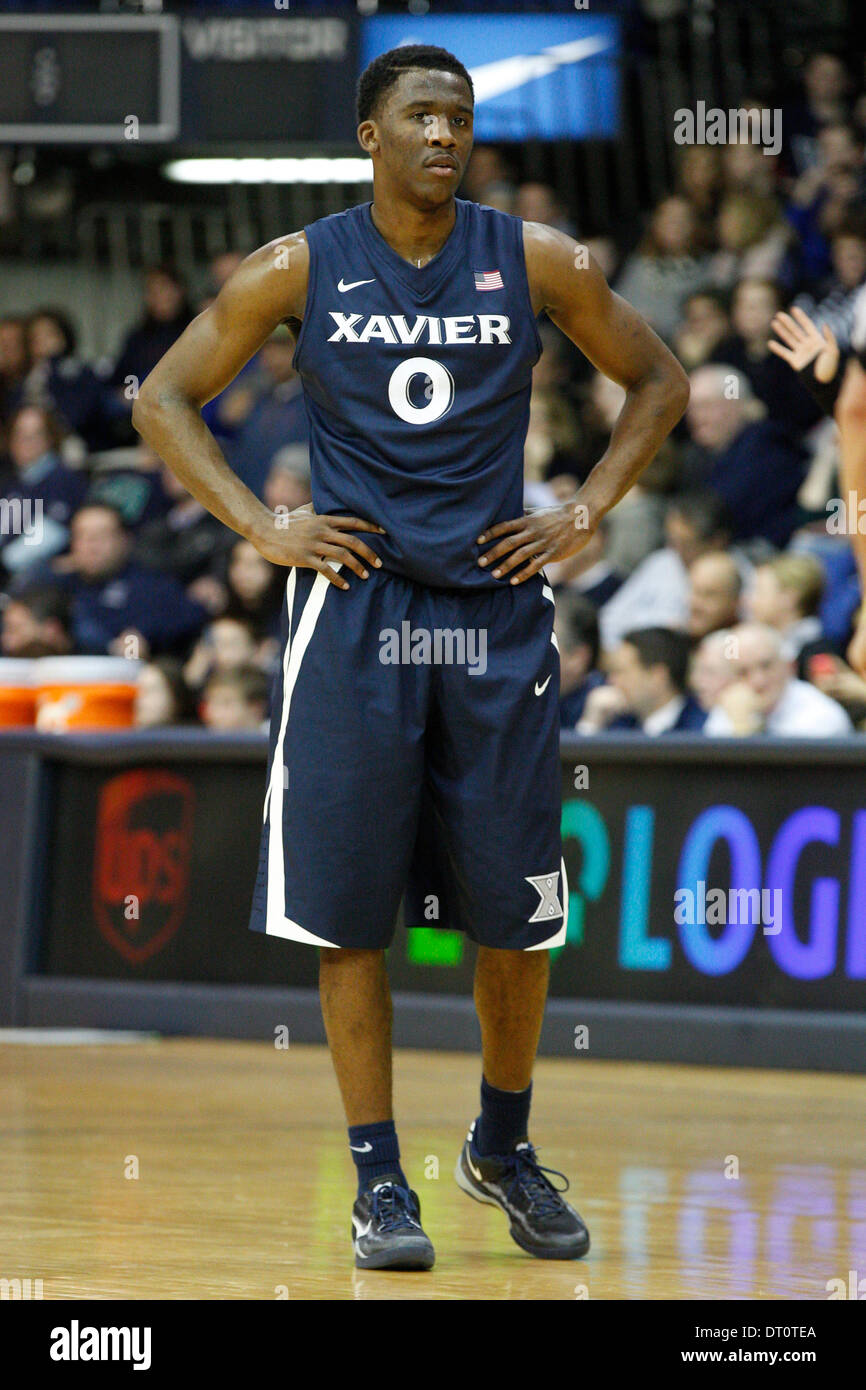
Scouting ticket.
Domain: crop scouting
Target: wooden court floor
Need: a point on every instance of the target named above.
(190, 1169)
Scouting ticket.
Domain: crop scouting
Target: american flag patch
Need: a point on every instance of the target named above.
(488, 280)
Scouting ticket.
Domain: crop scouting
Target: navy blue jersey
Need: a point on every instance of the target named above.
(417, 387)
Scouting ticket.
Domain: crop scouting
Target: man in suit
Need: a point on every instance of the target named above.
(647, 691)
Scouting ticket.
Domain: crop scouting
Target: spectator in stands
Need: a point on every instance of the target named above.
(755, 304)
(766, 698)
(221, 269)
(187, 541)
(287, 485)
(553, 434)
(715, 586)
(704, 324)
(60, 382)
(749, 461)
(166, 315)
(822, 198)
(14, 363)
(658, 590)
(834, 303)
(487, 169)
(236, 701)
(40, 490)
(603, 249)
(117, 604)
(747, 167)
(712, 668)
(37, 622)
(588, 573)
(538, 202)
(255, 588)
(162, 697)
(834, 677)
(635, 526)
(825, 102)
(647, 689)
(786, 594)
(699, 179)
(753, 239)
(576, 630)
(225, 644)
(227, 411)
(668, 265)
(136, 491)
(277, 415)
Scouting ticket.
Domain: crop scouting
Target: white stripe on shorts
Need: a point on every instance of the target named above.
(277, 923)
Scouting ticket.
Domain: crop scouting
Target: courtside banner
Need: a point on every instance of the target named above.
(693, 872)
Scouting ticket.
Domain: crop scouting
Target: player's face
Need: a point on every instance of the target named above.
(424, 131)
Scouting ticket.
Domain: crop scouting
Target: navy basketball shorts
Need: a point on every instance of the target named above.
(414, 754)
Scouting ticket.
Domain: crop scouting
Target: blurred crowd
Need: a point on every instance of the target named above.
(713, 598)
(124, 560)
(716, 597)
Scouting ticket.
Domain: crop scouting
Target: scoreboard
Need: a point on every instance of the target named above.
(211, 78)
(80, 78)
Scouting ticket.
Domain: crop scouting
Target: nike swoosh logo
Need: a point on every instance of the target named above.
(342, 287)
(362, 1148)
(540, 689)
(473, 1170)
(506, 74)
(361, 1231)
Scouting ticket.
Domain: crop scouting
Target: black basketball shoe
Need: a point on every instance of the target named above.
(541, 1222)
(386, 1227)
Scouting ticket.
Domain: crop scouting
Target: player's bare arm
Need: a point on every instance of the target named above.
(268, 288)
(567, 283)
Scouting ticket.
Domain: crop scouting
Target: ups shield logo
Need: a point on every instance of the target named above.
(141, 866)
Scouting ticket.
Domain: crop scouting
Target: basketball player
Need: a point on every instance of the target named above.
(395, 765)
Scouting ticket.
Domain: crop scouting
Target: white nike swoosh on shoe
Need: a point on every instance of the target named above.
(540, 689)
(473, 1170)
(361, 1148)
(342, 287)
(359, 1231)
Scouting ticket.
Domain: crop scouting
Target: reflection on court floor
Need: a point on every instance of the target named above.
(191, 1169)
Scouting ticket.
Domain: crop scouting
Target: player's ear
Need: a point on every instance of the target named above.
(368, 136)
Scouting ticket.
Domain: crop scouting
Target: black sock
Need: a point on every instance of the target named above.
(504, 1119)
(376, 1151)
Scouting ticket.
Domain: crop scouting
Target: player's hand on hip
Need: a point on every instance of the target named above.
(310, 541)
(528, 543)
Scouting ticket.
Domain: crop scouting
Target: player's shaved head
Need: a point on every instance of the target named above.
(380, 76)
